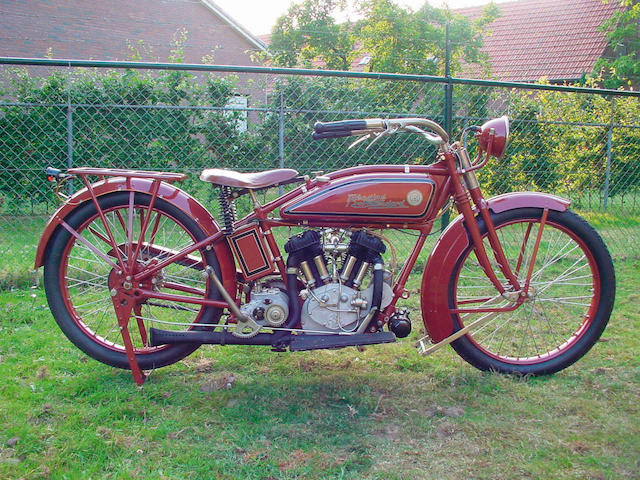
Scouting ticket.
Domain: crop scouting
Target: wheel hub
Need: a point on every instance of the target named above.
(511, 296)
(120, 282)
(531, 294)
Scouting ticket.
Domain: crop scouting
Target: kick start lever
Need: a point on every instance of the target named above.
(247, 326)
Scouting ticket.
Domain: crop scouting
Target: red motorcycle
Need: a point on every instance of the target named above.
(138, 274)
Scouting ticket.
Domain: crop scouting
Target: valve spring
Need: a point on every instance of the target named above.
(228, 209)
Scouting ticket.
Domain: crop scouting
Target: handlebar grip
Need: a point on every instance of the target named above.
(333, 134)
(343, 125)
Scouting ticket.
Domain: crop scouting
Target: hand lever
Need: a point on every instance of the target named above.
(363, 138)
(388, 131)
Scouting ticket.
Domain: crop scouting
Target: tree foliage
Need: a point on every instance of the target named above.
(400, 40)
(308, 33)
(396, 39)
(623, 37)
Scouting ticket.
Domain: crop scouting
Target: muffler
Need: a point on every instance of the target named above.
(159, 337)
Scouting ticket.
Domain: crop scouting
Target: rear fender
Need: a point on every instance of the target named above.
(451, 244)
(167, 192)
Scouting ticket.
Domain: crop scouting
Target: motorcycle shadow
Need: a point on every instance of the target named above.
(361, 385)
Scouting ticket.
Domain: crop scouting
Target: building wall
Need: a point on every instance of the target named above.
(101, 30)
(142, 30)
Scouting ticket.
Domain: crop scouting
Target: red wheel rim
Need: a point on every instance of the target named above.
(576, 334)
(77, 318)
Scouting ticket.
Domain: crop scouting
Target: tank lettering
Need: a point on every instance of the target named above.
(356, 200)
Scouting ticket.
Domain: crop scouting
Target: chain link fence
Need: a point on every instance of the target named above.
(578, 144)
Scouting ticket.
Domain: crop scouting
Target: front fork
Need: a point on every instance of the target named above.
(461, 196)
(459, 166)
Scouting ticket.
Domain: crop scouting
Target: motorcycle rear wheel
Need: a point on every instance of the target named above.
(78, 282)
(572, 295)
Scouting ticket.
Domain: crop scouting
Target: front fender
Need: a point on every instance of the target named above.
(167, 192)
(451, 244)
(509, 201)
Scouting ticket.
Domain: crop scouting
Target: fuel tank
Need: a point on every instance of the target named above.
(366, 198)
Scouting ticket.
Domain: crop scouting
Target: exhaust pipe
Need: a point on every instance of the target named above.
(159, 337)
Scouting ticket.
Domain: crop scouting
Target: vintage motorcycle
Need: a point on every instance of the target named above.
(138, 274)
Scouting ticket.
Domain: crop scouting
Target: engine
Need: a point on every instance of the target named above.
(334, 266)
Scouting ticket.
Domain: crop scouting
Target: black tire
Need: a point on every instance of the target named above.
(78, 324)
(543, 335)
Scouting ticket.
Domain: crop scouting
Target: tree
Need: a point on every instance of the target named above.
(623, 68)
(397, 39)
(403, 41)
(308, 32)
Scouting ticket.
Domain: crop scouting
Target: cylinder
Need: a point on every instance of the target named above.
(308, 274)
(322, 268)
(361, 273)
(348, 266)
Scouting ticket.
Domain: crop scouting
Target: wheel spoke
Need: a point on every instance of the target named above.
(100, 300)
(516, 271)
(562, 290)
(142, 329)
(88, 279)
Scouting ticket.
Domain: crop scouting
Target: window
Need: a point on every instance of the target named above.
(236, 108)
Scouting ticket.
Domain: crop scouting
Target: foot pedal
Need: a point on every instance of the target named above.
(300, 343)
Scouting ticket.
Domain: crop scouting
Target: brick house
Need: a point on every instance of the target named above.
(144, 30)
(102, 30)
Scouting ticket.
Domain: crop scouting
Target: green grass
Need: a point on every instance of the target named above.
(384, 413)
(18, 243)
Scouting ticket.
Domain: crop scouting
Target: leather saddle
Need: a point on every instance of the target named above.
(231, 178)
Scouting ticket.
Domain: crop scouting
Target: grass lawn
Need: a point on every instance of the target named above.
(385, 413)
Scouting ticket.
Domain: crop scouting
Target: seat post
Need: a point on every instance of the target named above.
(254, 199)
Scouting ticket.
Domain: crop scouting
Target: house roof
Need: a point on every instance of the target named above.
(256, 41)
(557, 39)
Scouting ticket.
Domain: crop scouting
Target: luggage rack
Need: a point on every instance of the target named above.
(121, 172)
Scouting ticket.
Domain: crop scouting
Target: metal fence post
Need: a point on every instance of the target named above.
(281, 135)
(448, 86)
(448, 104)
(607, 172)
(69, 110)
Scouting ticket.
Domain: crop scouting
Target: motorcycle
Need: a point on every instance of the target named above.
(138, 274)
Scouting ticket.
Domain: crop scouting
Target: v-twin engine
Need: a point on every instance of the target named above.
(334, 273)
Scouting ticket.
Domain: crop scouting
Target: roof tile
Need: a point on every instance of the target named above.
(558, 39)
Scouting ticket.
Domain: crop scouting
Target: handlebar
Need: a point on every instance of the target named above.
(333, 134)
(347, 128)
(379, 126)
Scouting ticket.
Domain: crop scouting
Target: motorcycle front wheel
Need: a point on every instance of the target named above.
(570, 299)
(78, 281)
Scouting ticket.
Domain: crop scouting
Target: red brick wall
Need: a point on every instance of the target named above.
(99, 30)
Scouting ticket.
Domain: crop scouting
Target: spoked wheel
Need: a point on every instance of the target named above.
(569, 302)
(81, 276)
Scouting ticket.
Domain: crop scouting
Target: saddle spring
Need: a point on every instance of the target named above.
(228, 208)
